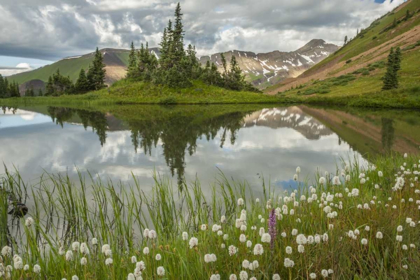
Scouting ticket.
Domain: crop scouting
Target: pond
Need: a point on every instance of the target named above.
(244, 142)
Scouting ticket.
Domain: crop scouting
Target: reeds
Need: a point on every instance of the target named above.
(332, 234)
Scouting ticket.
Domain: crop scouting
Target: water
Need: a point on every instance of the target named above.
(245, 142)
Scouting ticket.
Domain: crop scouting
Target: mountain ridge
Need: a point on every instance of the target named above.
(261, 69)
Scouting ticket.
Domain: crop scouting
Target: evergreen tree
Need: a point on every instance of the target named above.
(132, 63)
(40, 92)
(96, 74)
(3, 89)
(390, 79)
(345, 40)
(50, 87)
(407, 15)
(82, 83)
(235, 80)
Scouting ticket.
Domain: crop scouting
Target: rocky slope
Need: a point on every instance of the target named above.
(266, 69)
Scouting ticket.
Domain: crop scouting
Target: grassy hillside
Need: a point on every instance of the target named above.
(353, 75)
(71, 66)
(128, 92)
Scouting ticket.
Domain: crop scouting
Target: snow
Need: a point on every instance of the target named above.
(307, 58)
(299, 63)
(72, 57)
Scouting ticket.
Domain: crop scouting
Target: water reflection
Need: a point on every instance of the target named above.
(190, 141)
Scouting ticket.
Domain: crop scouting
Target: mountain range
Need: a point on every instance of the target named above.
(261, 69)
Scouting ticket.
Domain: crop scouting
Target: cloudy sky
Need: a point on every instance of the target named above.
(36, 32)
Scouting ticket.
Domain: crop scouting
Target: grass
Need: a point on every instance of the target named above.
(128, 92)
(118, 215)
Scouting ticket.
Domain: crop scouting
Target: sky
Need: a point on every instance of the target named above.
(34, 33)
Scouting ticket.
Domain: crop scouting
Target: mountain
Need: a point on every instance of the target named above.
(356, 69)
(288, 117)
(261, 69)
(266, 69)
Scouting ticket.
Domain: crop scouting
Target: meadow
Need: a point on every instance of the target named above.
(355, 222)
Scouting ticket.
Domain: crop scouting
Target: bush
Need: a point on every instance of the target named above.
(348, 61)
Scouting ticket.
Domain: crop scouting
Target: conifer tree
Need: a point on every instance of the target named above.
(132, 63)
(3, 89)
(96, 74)
(390, 79)
(82, 83)
(345, 40)
(50, 87)
(40, 92)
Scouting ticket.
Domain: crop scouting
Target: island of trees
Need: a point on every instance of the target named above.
(176, 67)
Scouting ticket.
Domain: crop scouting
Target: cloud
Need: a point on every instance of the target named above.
(20, 68)
(52, 29)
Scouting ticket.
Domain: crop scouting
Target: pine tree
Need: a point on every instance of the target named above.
(3, 89)
(96, 74)
(235, 80)
(82, 84)
(40, 92)
(178, 36)
(345, 40)
(390, 78)
(50, 87)
(132, 63)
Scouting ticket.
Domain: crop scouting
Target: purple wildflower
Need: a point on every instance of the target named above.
(272, 230)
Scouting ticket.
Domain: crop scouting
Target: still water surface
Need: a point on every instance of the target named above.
(187, 142)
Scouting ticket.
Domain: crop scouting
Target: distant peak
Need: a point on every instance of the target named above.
(315, 42)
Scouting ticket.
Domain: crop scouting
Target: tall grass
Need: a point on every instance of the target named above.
(65, 212)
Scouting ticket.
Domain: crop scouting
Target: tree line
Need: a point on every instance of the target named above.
(94, 79)
(177, 67)
(8, 89)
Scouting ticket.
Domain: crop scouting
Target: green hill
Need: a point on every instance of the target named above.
(356, 70)
(115, 60)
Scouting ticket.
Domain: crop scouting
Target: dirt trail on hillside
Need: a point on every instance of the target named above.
(377, 53)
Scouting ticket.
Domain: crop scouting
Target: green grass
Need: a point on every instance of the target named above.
(65, 212)
(128, 92)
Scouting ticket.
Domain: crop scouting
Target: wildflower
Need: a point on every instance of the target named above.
(18, 264)
(29, 222)
(84, 249)
(152, 234)
(108, 253)
(223, 246)
(83, 261)
(266, 238)
(245, 264)
(399, 228)
(288, 262)
(26, 267)
(367, 228)
(310, 239)
(232, 250)
(412, 246)
(146, 250)
(288, 250)
(322, 181)
(61, 251)
(75, 246)
(240, 201)
(347, 180)
(283, 234)
(249, 244)
(405, 266)
(140, 266)
(258, 249)
(294, 232)
(243, 275)
(325, 237)
(160, 271)
(203, 227)
(131, 276)
(193, 242)
(336, 181)
(133, 259)
(317, 239)
(243, 227)
(257, 200)
(207, 258)
(364, 241)
(6, 251)
(272, 230)
(301, 239)
(298, 170)
(94, 241)
(242, 238)
(262, 231)
(233, 277)
(405, 247)
(379, 235)
(37, 269)
(312, 275)
(215, 277)
(69, 256)
(105, 248)
(295, 177)
(225, 237)
(301, 249)
(74, 277)
(399, 238)
(330, 271)
(158, 257)
(324, 273)
(276, 277)
(108, 261)
(146, 232)
(380, 174)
